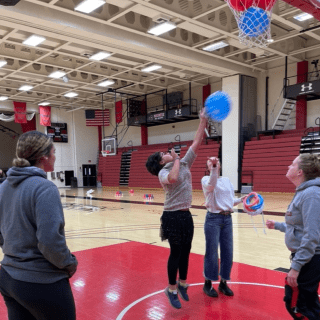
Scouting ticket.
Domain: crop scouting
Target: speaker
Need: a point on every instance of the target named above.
(8, 2)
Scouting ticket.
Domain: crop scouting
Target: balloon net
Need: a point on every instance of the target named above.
(253, 18)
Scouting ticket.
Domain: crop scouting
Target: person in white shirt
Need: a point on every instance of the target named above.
(219, 196)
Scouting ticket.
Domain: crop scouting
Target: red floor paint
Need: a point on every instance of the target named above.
(111, 280)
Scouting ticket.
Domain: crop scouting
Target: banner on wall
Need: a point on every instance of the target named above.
(20, 112)
(45, 116)
(118, 111)
(58, 132)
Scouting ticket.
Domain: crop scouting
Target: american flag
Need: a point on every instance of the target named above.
(96, 118)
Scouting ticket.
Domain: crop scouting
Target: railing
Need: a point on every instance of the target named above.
(309, 140)
(278, 102)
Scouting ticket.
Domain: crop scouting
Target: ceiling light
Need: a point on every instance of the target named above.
(216, 46)
(2, 63)
(57, 74)
(303, 16)
(151, 68)
(3, 98)
(43, 103)
(70, 94)
(65, 79)
(25, 88)
(34, 40)
(162, 28)
(88, 6)
(106, 83)
(270, 40)
(100, 55)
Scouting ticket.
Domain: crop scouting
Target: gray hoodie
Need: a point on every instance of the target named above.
(32, 228)
(302, 226)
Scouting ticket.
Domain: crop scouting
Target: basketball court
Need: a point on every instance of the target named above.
(122, 261)
(102, 82)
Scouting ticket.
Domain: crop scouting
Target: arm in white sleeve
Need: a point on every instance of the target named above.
(211, 183)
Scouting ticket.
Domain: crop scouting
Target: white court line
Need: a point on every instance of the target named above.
(124, 311)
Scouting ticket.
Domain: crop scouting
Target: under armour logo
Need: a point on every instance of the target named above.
(308, 86)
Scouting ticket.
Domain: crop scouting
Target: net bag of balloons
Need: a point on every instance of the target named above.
(253, 204)
(218, 106)
(254, 21)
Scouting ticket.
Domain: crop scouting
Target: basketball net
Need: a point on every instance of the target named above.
(254, 21)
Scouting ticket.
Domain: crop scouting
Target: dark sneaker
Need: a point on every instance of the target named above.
(223, 287)
(183, 292)
(173, 298)
(210, 291)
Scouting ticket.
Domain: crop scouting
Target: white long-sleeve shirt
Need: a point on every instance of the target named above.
(218, 192)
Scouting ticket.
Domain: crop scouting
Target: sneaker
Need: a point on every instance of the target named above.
(183, 292)
(210, 291)
(223, 287)
(173, 298)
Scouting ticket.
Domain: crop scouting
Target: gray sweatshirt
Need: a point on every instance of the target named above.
(178, 195)
(302, 226)
(32, 228)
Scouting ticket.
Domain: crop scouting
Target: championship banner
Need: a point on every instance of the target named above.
(45, 116)
(118, 111)
(20, 112)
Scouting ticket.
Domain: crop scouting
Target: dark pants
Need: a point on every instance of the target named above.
(178, 260)
(177, 227)
(34, 301)
(308, 283)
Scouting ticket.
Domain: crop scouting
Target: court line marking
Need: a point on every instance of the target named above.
(125, 310)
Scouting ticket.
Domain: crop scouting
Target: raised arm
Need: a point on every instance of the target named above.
(174, 173)
(199, 134)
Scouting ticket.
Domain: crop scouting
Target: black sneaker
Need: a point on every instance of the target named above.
(210, 291)
(223, 287)
(173, 298)
(183, 292)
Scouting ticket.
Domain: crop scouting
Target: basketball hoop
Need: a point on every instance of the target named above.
(254, 21)
(105, 153)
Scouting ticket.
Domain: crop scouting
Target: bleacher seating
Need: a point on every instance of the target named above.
(109, 170)
(268, 160)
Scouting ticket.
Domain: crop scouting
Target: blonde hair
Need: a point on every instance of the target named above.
(310, 165)
(31, 147)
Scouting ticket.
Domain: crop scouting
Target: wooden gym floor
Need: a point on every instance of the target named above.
(122, 261)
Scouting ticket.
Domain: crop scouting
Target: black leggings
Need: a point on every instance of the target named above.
(35, 301)
(308, 284)
(178, 259)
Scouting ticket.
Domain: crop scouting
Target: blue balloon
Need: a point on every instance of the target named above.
(254, 22)
(218, 106)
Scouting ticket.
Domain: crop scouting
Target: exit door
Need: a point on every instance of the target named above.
(89, 175)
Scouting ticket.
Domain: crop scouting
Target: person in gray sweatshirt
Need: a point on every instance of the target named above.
(302, 233)
(37, 264)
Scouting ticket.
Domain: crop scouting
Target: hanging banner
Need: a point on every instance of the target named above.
(118, 111)
(45, 116)
(20, 112)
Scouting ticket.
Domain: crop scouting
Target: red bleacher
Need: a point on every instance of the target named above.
(268, 160)
(109, 170)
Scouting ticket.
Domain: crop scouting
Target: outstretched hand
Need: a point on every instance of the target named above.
(270, 224)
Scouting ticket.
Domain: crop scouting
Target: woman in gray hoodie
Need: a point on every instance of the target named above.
(302, 233)
(37, 264)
